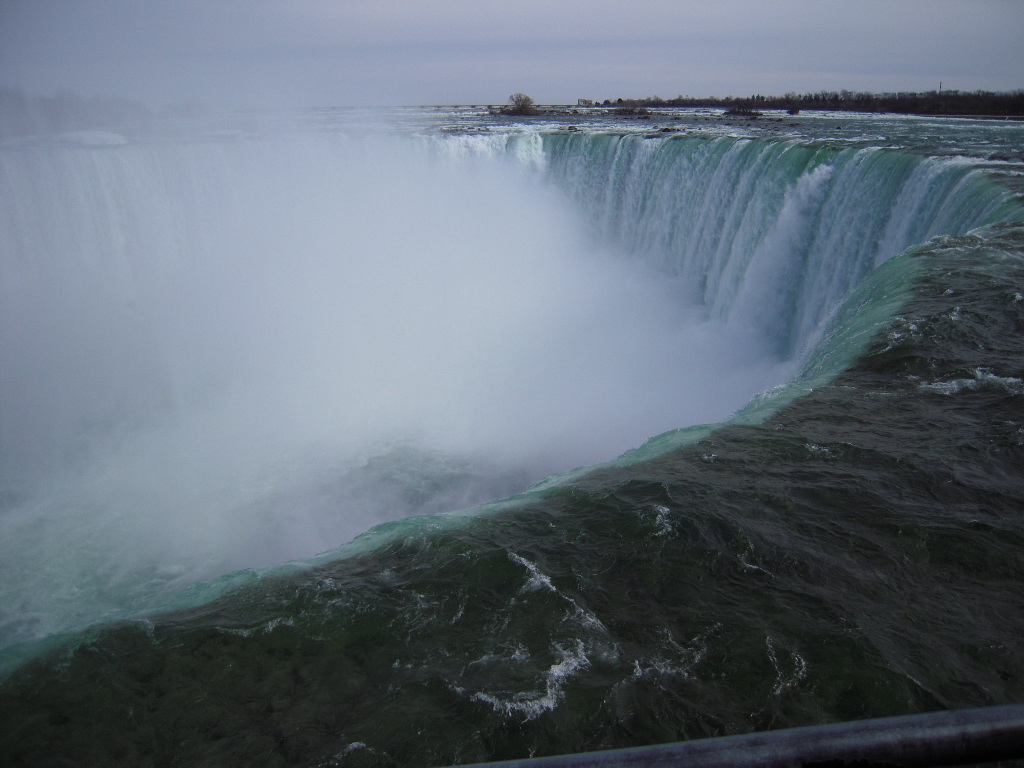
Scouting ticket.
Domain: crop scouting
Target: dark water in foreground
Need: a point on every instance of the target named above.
(860, 553)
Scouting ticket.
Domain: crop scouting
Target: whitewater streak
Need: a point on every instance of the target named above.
(770, 234)
(226, 352)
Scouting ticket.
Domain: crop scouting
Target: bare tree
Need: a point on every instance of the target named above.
(521, 104)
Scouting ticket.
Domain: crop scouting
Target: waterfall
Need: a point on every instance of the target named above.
(227, 351)
(770, 234)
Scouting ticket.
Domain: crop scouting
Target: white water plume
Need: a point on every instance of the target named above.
(220, 353)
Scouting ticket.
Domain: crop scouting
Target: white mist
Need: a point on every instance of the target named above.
(203, 339)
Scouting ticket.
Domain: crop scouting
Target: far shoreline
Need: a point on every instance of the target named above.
(978, 105)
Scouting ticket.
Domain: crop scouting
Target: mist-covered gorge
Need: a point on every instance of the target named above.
(229, 350)
(219, 352)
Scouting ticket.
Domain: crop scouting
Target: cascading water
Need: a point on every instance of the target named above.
(224, 351)
(773, 235)
(227, 352)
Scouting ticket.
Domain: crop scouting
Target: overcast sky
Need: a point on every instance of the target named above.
(250, 53)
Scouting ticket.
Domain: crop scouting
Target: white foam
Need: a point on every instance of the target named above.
(529, 705)
(982, 378)
(537, 579)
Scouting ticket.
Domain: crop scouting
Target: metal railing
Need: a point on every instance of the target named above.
(956, 737)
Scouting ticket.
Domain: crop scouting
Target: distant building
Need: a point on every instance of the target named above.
(584, 102)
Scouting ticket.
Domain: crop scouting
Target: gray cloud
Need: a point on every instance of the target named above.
(316, 52)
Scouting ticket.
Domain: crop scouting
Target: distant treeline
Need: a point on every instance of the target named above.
(987, 103)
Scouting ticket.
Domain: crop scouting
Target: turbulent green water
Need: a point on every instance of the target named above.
(851, 545)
